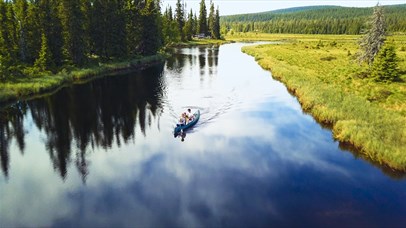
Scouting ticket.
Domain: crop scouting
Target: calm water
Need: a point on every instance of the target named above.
(103, 154)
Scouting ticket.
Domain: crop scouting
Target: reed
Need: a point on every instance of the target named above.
(320, 70)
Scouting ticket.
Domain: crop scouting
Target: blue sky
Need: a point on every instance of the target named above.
(228, 7)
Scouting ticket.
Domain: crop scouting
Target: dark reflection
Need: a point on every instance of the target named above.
(178, 61)
(395, 174)
(11, 126)
(202, 57)
(77, 119)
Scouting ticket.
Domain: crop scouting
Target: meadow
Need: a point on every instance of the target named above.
(322, 72)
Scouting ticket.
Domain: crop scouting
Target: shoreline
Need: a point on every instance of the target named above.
(331, 92)
(27, 88)
(33, 87)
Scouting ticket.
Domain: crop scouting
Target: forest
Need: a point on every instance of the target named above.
(314, 20)
(40, 37)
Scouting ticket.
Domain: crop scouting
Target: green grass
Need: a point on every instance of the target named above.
(320, 70)
(196, 42)
(25, 87)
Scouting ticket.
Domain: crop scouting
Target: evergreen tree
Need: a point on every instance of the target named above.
(51, 28)
(202, 25)
(44, 61)
(73, 30)
(211, 19)
(33, 34)
(372, 41)
(216, 26)
(188, 29)
(151, 40)
(180, 19)
(385, 66)
(133, 29)
(108, 29)
(21, 10)
(5, 42)
(195, 25)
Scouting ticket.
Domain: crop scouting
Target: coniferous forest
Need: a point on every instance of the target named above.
(45, 36)
(315, 20)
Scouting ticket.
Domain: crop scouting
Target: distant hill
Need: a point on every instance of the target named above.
(315, 20)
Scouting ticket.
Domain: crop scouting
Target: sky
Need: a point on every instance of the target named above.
(229, 7)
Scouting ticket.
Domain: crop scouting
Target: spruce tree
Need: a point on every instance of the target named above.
(372, 41)
(202, 25)
(385, 66)
(44, 61)
(211, 19)
(151, 40)
(216, 27)
(133, 29)
(21, 10)
(188, 29)
(180, 19)
(33, 34)
(73, 30)
(5, 43)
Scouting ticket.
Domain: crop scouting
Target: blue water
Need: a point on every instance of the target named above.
(102, 154)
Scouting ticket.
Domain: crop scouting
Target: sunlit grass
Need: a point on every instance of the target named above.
(322, 73)
(196, 42)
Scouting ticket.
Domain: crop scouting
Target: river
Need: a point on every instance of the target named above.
(102, 154)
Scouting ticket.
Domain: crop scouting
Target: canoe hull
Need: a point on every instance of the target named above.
(179, 128)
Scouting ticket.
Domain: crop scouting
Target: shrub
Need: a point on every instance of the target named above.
(385, 65)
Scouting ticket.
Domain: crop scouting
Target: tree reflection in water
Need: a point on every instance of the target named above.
(79, 118)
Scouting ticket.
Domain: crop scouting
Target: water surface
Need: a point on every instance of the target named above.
(102, 154)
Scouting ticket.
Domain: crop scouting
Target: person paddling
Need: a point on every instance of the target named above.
(190, 116)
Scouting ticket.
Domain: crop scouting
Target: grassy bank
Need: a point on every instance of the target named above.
(24, 87)
(321, 72)
(198, 42)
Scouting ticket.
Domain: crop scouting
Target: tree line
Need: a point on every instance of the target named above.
(182, 25)
(45, 35)
(315, 20)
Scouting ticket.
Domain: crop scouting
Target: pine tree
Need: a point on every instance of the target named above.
(385, 66)
(133, 29)
(5, 43)
(180, 19)
(211, 19)
(73, 30)
(372, 41)
(188, 29)
(108, 29)
(216, 26)
(151, 40)
(33, 32)
(21, 10)
(202, 25)
(44, 61)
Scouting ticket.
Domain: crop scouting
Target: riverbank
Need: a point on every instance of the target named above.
(199, 42)
(26, 87)
(320, 71)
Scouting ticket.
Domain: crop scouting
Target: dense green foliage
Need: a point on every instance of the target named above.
(45, 36)
(202, 25)
(385, 67)
(42, 35)
(315, 20)
(182, 26)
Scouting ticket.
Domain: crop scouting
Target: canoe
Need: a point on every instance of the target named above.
(179, 128)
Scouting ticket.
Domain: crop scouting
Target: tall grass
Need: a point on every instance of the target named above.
(321, 72)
